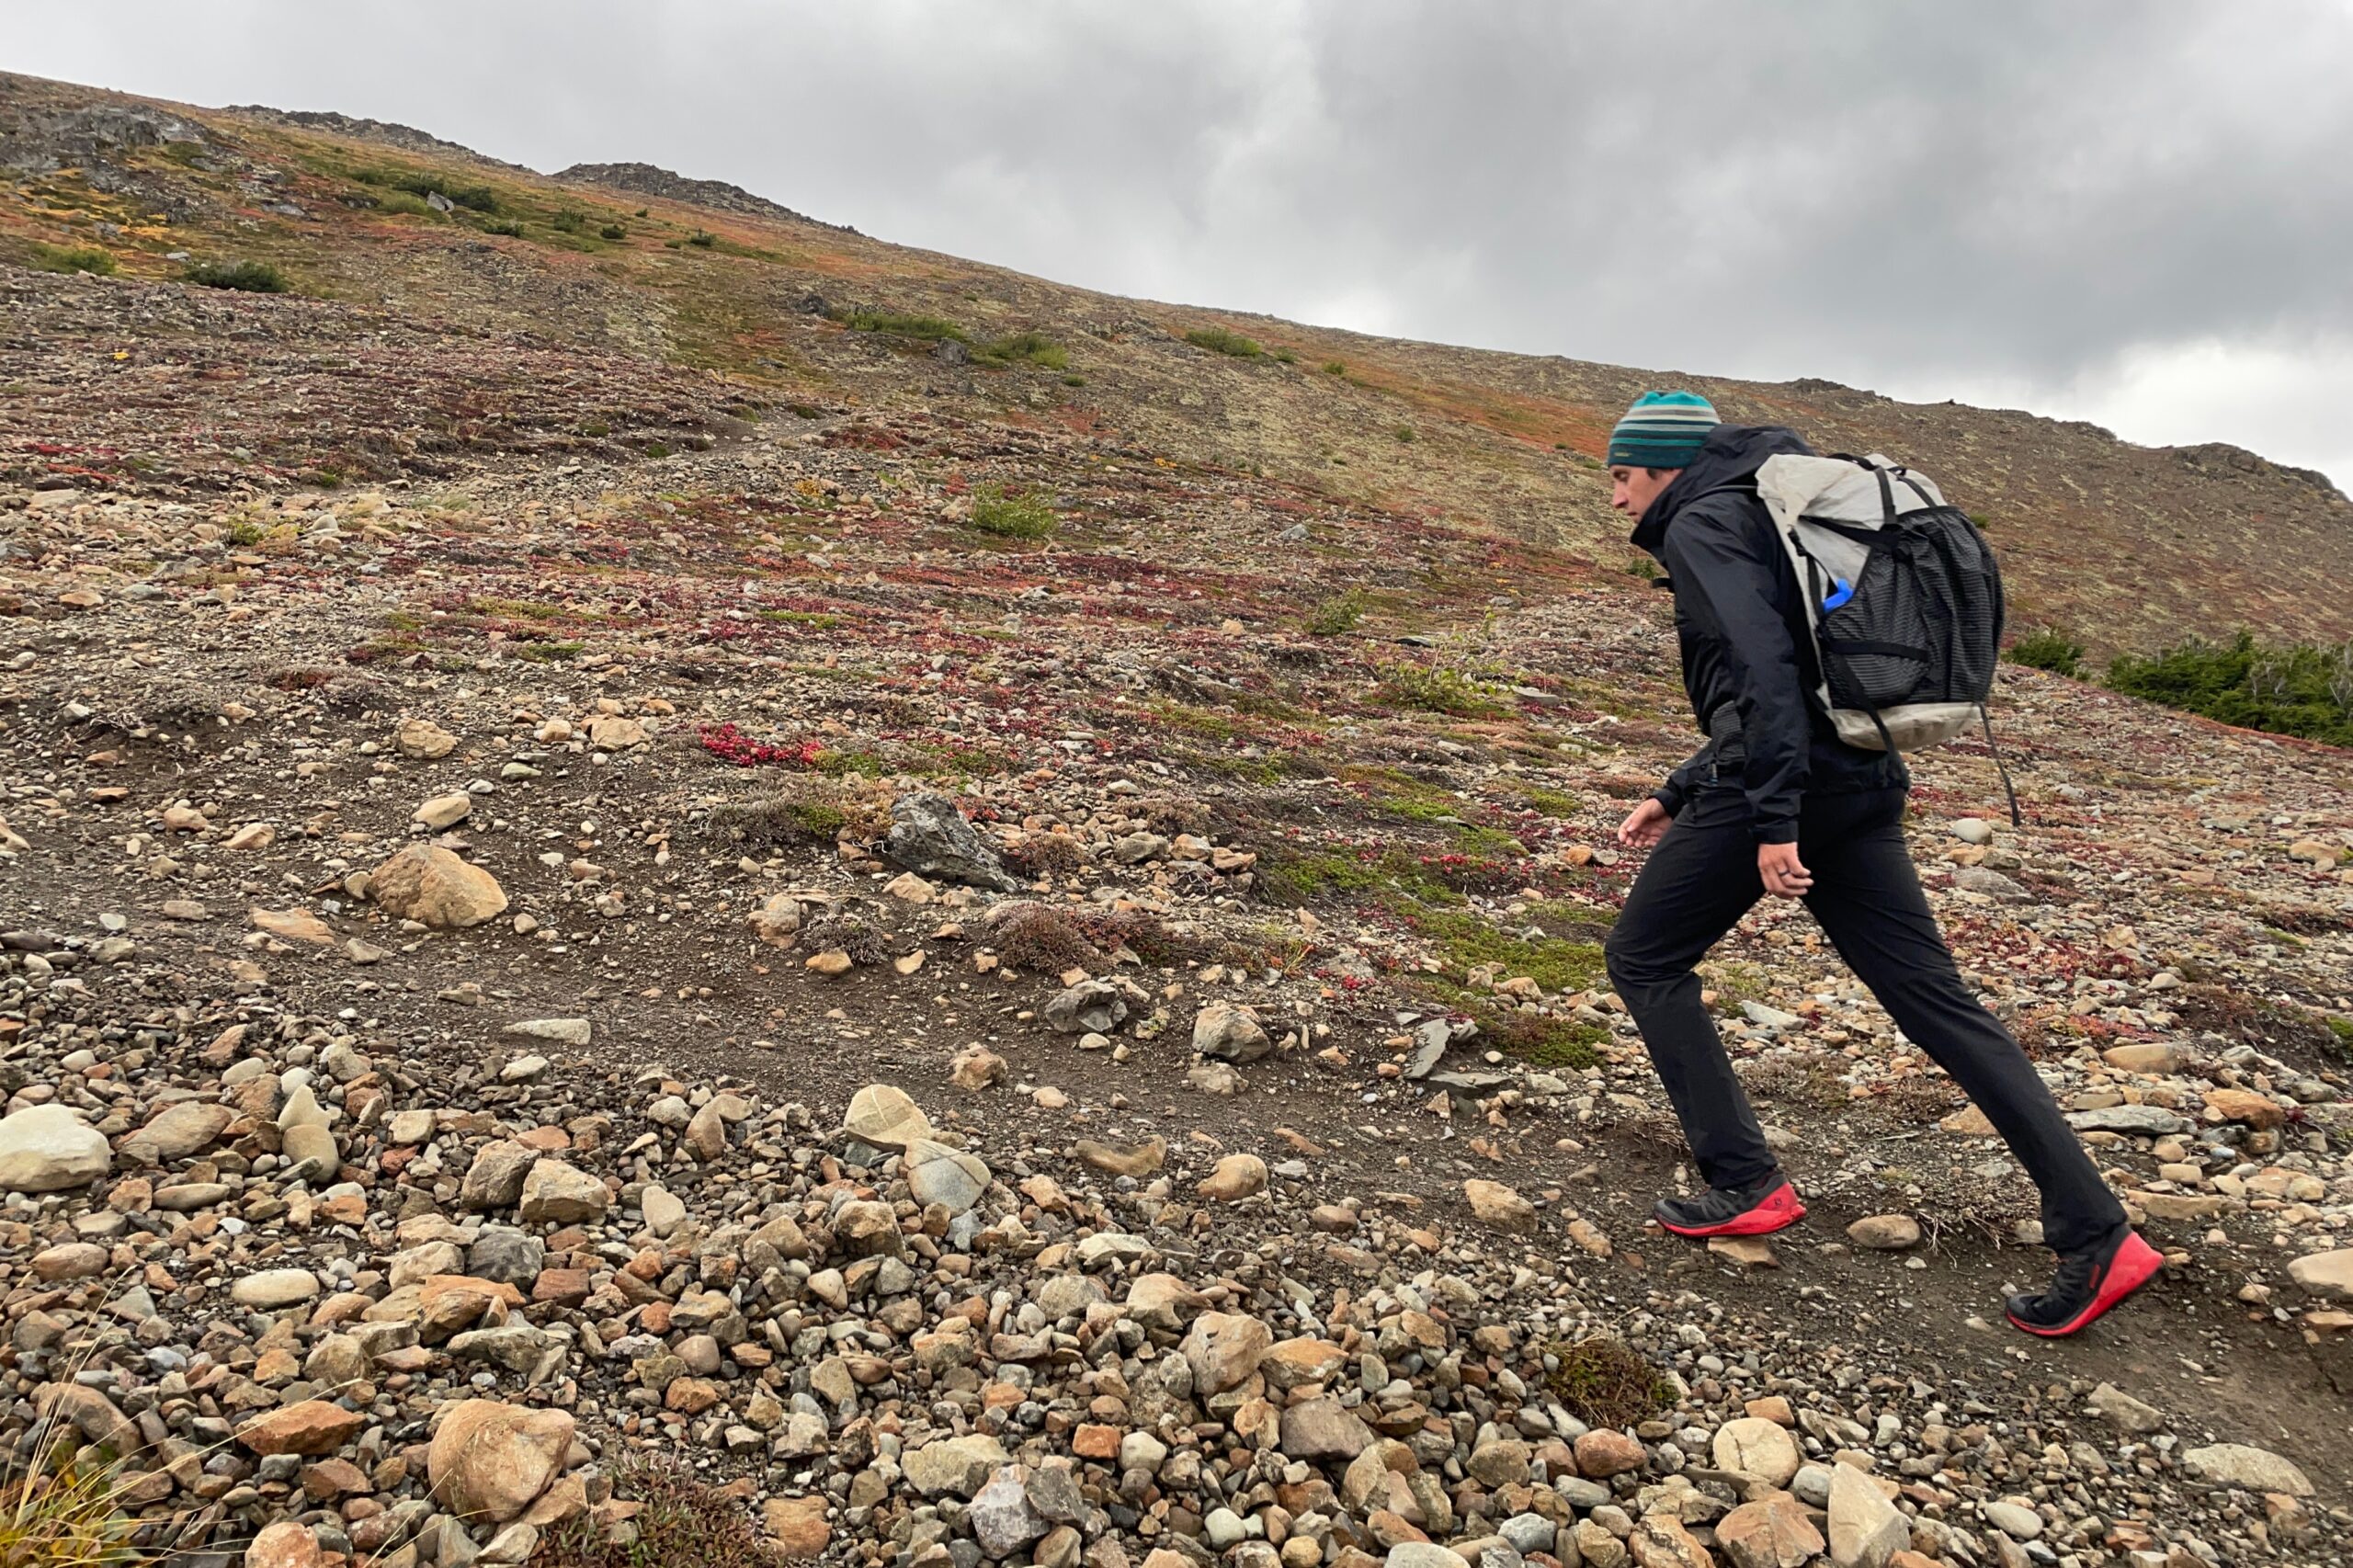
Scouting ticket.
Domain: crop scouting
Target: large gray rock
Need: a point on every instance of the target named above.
(555, 1193)
(1866, 1529)
(47, 1148)
(931, 837)
(960, 1465)
(176, 1131)
(505, 1254)
(1229, 1033)
(1091, 1005)
(1322, 1429)
(937, 1173)
(1002, 1517)
(2248, 1468)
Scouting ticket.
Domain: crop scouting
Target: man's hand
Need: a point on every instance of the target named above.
(1783, 873)
(1644, 827)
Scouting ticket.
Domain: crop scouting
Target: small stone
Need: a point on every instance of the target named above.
(975, 1068)
(937, 1173)
(423, 740)
(2013, 1520)
(2122, 1410)
(311, 1427)
(1236, 1177)
(489, 1460)
(444, 811)
(1602, 1453)
(958, 1465)
(554, 1193)
(294, 925)
(663, 1212)
(1499, 1206)
(1761, 1448)
(1885, 1232)
(274, 1287)
(1772, 1532)
(885, 1117)
(1223, 1348)
(558, 1032)
(1230, 1033)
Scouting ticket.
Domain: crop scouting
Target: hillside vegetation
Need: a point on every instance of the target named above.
(2128, 546)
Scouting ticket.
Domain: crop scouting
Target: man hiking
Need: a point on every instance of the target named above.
(1775, 803)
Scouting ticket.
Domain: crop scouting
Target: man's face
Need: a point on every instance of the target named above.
(1631, 490)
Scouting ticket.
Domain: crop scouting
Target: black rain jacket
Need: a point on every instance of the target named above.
(1748, 658)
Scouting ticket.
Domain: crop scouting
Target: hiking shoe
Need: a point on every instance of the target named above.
(2087, 1284)
(1757, 1211)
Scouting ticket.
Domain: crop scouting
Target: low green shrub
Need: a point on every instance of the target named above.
(931, 328)
(1336, 614)
(612, 232)
(2300, 690)
(1218, 340)
(73, 258)
(2049, 649)
(479, 197)
(251, 277)
(1030, 347)
(1012, 516)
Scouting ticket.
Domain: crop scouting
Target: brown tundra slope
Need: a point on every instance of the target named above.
(2129, 546)
(993, 953)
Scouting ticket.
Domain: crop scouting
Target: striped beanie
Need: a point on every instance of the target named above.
(1662, 430)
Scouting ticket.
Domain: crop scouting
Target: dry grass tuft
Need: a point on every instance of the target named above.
(1604, 1382)
(680, 1523)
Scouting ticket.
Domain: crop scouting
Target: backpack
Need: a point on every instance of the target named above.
(1902, 597)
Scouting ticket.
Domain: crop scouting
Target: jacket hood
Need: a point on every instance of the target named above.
(1729, 459)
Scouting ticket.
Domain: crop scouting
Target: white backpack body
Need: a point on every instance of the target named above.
(1902, 596)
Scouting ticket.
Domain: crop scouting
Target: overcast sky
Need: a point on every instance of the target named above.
(2134, 211)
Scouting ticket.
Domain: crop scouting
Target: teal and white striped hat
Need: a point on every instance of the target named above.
(1662, 430)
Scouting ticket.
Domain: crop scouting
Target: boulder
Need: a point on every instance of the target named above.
(883, 1116)
(311, 1427)
(2248, 1468)
(494, 1180)
(1866, 1529)
(1499, 1206)
(47, 1148)
(1761, 1448)
(1230, 1033)
(937, 1173)
(554, 1193)
(1771, 1532)
(176, 1131)
(1223, 1348)
(436, 887)
(929, 836)
(489, 1460)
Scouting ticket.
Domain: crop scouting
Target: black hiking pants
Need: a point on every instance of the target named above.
(1702, 878)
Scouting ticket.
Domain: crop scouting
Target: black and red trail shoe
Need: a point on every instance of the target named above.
(1769, 1205)
(2087, 1284)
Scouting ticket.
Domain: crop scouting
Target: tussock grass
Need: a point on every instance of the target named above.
(1218, 340)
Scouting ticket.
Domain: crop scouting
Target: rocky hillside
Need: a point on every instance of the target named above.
(2129, 546)
(641, 924)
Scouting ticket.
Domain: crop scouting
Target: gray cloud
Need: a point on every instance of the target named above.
(2129, 209)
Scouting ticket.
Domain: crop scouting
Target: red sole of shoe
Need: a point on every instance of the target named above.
(1779, 1212)
(2136, 1263)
